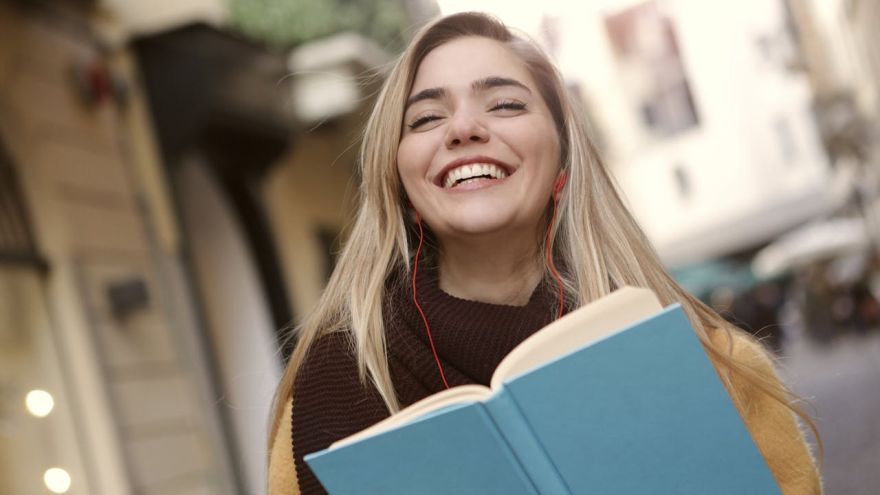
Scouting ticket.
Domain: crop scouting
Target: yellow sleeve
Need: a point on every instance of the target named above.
(773, 426)
(282, 474)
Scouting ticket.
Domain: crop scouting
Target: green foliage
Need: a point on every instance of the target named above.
(285, 23)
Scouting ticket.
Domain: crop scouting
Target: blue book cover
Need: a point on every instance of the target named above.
(638, 410)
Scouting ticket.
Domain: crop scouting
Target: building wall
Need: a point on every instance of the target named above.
(312, 190)
(100, 217)
(237, 320)
(147, 16)
(751, 168)
(839, 41)
(862, 17)
(30, 360)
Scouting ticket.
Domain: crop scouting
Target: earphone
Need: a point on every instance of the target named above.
(560, 183)
(557, 188)
(415, 271)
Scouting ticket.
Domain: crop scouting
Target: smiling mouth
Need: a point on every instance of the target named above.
(472, 173)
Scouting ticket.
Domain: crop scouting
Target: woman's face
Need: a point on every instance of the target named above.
(479, 152)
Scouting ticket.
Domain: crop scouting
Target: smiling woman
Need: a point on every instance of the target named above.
(478, 158)
(478, 180)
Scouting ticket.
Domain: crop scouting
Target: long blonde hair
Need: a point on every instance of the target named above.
(596, 239)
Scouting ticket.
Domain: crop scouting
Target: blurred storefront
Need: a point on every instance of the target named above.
(262, 189)
(36, 420)
(170, 198)
(106, 327)
(222, 120)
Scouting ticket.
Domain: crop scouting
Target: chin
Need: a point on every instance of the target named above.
(480, 226)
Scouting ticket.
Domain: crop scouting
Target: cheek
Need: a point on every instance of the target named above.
(407, 167)
(545, 150)
(413, 161)
(405, 158)
(535, 138)
(552, 149)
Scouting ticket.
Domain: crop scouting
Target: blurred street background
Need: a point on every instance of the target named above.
(177, 175)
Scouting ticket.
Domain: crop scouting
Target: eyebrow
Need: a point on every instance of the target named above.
(425, 94)
(478, 85)
(495, 82)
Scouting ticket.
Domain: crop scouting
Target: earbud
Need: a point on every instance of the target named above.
(560, 183)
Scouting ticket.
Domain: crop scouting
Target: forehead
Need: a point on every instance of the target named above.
(460, 62)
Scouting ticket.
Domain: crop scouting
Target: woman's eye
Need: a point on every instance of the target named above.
(423, 120)
(508, 105)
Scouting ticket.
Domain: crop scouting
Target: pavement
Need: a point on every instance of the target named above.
(840, 379)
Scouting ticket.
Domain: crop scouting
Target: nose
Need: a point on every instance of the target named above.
(464, 128)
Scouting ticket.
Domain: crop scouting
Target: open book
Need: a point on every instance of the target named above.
(616, 397)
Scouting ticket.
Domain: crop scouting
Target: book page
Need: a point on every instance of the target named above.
(457, 395)
(588, 324)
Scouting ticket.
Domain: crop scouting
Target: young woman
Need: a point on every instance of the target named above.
(485, 213)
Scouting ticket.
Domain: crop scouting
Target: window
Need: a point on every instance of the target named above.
(645, 47)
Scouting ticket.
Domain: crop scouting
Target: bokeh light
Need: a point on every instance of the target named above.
(57, 480)
(39, 403)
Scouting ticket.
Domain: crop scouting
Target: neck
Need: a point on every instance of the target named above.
(480, 271)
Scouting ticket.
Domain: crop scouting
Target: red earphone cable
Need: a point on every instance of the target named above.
(549, 255)
(419, 307)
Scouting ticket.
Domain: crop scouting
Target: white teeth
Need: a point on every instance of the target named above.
(466, 173)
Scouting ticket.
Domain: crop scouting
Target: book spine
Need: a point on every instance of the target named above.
(535, 462)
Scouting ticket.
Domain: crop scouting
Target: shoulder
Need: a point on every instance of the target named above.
(764, 405)
(754, 384)
(328, 401)
(331, 398)
(744, 349)
(334, 348)
(328, 361)
(329, 373)
(328, 378)
(741, 346)
(281, 476)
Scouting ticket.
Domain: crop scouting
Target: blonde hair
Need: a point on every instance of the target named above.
(596, 239)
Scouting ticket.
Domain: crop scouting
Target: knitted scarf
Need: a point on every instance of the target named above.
(471, 338)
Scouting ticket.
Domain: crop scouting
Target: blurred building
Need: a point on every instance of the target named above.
(707, 123)
(839, 49)
(170, 198)
(837, 45)
(96, 309)
(862, 16)
(263, 187)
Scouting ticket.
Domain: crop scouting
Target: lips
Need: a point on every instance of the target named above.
(472, 169)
